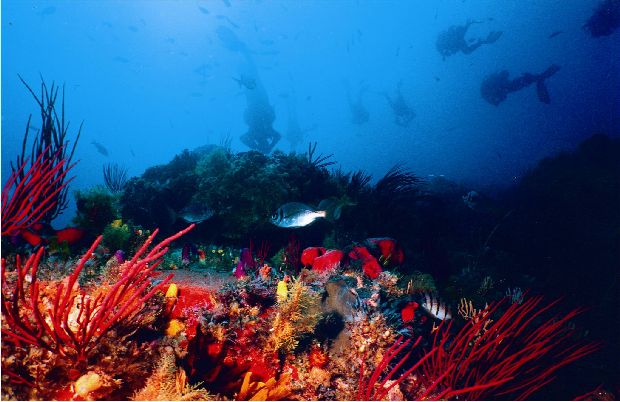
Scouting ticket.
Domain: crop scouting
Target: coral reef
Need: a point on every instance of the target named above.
(95, 209)
(169, 383)
(61, 330)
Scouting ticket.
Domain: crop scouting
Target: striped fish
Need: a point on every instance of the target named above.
(435, 307)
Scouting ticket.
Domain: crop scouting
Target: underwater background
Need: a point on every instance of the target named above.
(471, 148)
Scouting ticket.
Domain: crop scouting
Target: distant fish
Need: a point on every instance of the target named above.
(47, 11)
(225, 18)
(100, 148)
(226, 3)
(202, 70)
(247, 82)
(132, 153)
(297, 215)
(121, 59)
(555, 33)
(203, 10)
(267, 42)
(435, 307)
(196, 213)
(133, 28)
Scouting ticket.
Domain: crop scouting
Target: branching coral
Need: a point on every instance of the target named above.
(517, 354)
(370, 390)
(31, 194)
(51, 145)
(69, 322)
(114, 177)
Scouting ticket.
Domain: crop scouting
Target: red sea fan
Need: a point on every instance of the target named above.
(73, 331)
(30, 194)
(511, 357)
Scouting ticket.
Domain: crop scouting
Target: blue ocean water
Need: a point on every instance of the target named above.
(151, 78)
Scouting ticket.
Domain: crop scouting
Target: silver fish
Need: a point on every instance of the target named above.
(296, 215)
(196, 213)
(436, 308)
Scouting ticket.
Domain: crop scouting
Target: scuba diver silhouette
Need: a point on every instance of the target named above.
(403, 113)
(496, 87)
(452, 40)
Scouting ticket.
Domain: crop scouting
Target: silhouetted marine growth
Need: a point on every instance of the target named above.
(605, 20)
(403, 114)
(452, 40)
(496, 87)
(259, 114)
(50, 147)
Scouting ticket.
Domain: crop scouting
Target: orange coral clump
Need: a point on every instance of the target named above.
(317, 357)
(271, 390)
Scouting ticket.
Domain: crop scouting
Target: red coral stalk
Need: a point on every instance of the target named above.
(27, 322)
(28, 199)
(367, 389)
(513, 356)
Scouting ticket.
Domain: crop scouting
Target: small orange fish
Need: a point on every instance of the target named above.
(70, 235)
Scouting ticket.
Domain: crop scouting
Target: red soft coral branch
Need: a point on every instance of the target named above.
(96, 314)
(27, 200)
(516, 355)
(366, 390)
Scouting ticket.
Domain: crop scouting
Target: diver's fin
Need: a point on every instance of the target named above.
(543, 93)
(493, 37)
(550, 71)
(541, 88)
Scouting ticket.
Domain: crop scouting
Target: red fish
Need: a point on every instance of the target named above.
(309, 254)
(408, 312)
(391, 252)
(328, 261)
(70, 235)
(31, 238)
(369, 263)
